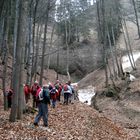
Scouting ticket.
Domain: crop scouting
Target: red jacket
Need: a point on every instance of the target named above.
(27, 90)
(34, 89)
(53, 94)
(38, 90)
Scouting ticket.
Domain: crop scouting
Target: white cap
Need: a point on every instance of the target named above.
(36, 82)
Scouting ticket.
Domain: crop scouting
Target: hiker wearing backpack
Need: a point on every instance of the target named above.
(71, 96)
(27, 92)
(66, 91)
(43, 101)
(58, 86)
(34, 89)
(53, 96)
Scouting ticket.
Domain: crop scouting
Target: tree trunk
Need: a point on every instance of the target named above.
(15, 43)
(30, 45)
(115, 53)
(1, 7)
(5, 52)
(37, 50)
(103, 32)
(21, 98)
(4, 77)
(112, 55)
(50, 46)
(44, 42)
(100, 37)
(111, 75)
(33, 40)
(137, 19)
(17, 77)
(67, 46)
(129, 45)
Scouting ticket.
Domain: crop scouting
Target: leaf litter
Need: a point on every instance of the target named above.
(66, 122)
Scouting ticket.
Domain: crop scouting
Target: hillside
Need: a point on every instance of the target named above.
(122, 109)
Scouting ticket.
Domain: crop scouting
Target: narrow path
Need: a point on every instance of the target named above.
(73, 122)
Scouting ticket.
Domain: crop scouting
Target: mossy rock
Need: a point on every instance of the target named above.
(112, 92)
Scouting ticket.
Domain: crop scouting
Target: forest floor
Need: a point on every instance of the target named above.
(79, 121)
(66, 122)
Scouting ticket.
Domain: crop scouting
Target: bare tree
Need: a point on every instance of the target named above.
(136, 15)
(112, 54)
(44, 42)
(129, 44)
(5, 50)
(16, 109)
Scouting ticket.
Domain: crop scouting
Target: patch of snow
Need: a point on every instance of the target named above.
(132, 78)
(85, 95)
(126, 63)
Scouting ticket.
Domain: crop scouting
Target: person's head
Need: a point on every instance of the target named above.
(50, 85)
(57, 81)
(36, 82)
(27, 84)
(69, 82)
(37, 86)
(45, 86)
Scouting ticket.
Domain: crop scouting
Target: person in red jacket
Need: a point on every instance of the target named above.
(34, 89)
(27, 91)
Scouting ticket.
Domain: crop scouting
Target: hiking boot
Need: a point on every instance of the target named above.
(35, 124)
(45, 125)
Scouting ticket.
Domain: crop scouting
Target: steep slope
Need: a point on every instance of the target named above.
(125, 109)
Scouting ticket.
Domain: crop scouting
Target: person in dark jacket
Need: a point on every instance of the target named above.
(53, 96)
(44, 100)
(9, 97)
(58, 86)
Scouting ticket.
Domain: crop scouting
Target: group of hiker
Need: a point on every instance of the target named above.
(47, 94)
(55, 90)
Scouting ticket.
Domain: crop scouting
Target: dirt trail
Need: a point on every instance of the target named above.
(73, 122)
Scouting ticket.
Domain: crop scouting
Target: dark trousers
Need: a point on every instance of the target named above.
(9, 102)
(58, 97)
(42, 113)
(34, 102)
(27, 97)
(66, 98)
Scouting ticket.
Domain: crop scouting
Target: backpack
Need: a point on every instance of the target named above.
(39, 95)
(65, 87)
(72, 89)
(53, 91)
